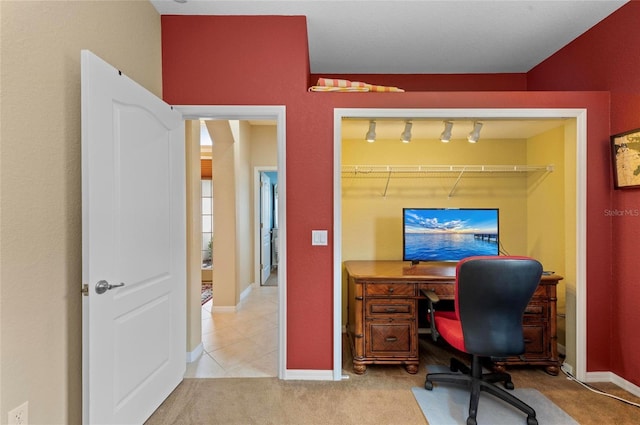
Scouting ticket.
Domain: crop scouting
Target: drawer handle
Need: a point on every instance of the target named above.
(391, 290)
(391, 339)
(391, 310)
(527, 340)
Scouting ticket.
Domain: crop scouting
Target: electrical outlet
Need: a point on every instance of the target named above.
(19, 415)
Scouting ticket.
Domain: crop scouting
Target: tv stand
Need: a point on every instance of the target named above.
(382, 321)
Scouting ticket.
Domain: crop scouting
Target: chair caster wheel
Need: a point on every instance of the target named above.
(428, 385)
(472, 421)
(532, 421)
(509, 385)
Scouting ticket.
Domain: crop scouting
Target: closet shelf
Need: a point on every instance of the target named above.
(400, 170)
(426, 171)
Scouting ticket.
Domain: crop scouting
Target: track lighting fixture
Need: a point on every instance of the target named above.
(474, 136)
(371, 134)
(445, 136)
(406, 134)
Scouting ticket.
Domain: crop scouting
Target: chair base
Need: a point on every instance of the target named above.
(476, 381)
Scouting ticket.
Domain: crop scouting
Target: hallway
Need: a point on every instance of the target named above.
(241, 344)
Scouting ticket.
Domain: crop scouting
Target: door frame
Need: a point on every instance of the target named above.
(276, 113)
(580, 116)
(257, 212)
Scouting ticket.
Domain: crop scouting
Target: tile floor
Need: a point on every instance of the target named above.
(241, 344)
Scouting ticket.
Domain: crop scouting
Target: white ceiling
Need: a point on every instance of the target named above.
(425, 37)
(422, 36)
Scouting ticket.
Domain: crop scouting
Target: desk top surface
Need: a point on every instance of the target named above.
(400, 270)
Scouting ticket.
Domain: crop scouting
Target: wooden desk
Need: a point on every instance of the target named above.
(383, 314)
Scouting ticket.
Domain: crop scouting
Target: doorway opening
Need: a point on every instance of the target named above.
(206, 213)
(241, 286)
(266, 186)
(574, 211)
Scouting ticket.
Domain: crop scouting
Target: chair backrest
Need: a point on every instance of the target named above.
(491, 296)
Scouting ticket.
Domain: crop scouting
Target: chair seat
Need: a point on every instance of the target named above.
(491, 294)
(450, 329)
(447, 314)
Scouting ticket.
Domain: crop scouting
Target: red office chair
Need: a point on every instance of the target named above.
(491, 294)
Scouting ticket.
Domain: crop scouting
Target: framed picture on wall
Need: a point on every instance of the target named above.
(625, 151)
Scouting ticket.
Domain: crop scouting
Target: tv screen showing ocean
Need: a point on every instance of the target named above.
(447, 246)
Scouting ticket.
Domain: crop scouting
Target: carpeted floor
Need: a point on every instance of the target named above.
(382, 396)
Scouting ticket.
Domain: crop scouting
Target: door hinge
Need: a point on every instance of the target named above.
(85, 289)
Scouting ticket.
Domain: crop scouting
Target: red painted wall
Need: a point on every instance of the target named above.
(264, 60)
(233, 60)
(607, 58)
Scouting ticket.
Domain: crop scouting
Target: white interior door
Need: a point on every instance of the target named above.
(133, 224)
(265, 227)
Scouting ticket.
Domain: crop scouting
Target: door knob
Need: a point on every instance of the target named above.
(103, 286)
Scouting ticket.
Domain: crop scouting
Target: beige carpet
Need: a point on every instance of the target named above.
(382, 396)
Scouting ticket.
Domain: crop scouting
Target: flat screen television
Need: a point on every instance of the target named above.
(447, 234)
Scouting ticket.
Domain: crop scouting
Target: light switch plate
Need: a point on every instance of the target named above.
(319, 237)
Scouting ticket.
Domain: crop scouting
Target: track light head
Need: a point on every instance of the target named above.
(474, 136)
(371, 134)
(445, 136)
(406, 134)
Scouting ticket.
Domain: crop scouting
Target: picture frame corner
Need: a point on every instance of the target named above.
(625, 159)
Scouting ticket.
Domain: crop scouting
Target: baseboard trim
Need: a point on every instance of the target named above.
(224, 309)
(308, 375)
(195, 354)
(233, 308)
(246, 291)
(614, 379)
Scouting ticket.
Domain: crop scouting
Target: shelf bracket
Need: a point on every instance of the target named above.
(456, 183)
(386, 186)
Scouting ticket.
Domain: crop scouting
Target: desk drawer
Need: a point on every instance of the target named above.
(535, 311)
(390, 289)
(387, 307)
(444, 290)
(390, 339)
(534, 342)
